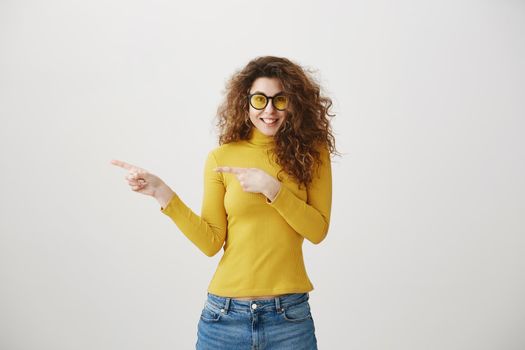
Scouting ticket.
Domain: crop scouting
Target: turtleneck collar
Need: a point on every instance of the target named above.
(257, 138)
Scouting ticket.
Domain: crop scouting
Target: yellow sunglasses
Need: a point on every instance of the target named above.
(259, 101)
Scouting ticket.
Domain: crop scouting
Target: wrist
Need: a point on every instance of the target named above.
(163, 195)
(272, 190)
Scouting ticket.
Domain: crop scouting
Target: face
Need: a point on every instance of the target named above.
(269, 119)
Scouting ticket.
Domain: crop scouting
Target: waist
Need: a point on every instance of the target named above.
(259, 297)
(273, 302)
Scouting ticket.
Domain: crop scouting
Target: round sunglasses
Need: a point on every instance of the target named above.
(259, 101)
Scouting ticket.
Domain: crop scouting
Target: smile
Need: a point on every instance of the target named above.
(269, 121)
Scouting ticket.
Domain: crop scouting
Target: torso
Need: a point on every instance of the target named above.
(262, 252)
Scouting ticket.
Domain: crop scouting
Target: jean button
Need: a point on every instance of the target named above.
(254, 306)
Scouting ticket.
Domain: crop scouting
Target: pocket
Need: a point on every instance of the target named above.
(298, 312)
(210, 313)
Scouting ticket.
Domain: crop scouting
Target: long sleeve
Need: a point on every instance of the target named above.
(207, 231)
(310, 219)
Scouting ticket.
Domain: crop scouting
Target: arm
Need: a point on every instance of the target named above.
(310, 219)
(207, 231)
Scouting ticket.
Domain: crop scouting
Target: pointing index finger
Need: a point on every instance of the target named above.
(124, 165)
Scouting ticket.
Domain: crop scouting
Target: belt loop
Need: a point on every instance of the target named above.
(278, 304)
(227, 305)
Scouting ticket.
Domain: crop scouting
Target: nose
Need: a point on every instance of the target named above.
(269, 107)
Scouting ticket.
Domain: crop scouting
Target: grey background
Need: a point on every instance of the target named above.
(425, 248)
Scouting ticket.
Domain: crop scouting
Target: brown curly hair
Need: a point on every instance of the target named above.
(306, 127)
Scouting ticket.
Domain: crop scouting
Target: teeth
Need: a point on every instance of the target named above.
(269, 121)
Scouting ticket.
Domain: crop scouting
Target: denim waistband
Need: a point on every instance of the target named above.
(277, 303)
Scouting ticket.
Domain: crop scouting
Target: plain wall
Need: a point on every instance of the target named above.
(426, 242)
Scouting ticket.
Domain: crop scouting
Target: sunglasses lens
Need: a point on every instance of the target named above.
(280, 102)
(258, 101)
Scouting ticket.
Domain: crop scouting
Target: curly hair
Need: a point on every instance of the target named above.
(306, 127)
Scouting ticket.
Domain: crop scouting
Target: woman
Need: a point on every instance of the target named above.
(267, 187)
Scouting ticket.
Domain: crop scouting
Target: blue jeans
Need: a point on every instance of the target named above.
(280, 323)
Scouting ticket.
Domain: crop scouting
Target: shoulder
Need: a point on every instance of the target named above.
(225, 150)
(324, 162)
(324, 152)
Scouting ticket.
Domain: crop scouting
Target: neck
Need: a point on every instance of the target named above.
(257, 138)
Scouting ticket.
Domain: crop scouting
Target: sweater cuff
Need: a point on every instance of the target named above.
(281, 200)
(171, 205)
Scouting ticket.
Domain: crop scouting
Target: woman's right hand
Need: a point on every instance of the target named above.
(140, 180)
(144, 182)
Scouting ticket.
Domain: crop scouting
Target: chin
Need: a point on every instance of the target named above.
(267, 129)
(267, 132)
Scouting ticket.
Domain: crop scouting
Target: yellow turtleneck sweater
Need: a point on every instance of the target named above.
(262, 240)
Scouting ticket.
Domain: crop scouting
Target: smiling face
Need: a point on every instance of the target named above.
(269, 119)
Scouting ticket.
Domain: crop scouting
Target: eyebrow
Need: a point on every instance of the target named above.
(260, 92)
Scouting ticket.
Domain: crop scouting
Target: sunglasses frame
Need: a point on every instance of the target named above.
(267, 100)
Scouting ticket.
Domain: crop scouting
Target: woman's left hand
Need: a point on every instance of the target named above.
(254, 180)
